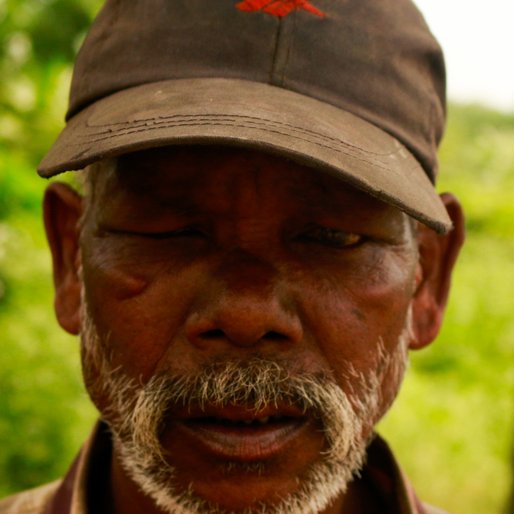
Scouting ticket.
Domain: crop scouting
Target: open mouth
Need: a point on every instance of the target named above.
(239, 434)
(251, 423)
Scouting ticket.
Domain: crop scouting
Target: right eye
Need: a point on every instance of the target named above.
(332, 237)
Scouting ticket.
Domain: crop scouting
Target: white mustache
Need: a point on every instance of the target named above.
(256, 383)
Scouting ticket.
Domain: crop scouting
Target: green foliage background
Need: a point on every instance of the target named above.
(452, 424)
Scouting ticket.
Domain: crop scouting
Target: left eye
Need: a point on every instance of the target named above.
(332, 237)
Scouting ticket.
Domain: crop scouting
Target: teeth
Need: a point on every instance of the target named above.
(263, 421)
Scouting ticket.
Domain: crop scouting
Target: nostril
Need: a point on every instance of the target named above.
(275, 336)
(219, 334)
(213, 334)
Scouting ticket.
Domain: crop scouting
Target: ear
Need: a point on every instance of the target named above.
(62, 211)
(437, 256)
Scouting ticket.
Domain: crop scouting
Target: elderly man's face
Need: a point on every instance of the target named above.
(207, 263)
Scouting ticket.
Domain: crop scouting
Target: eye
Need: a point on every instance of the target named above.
(183, 232)
(332, 237)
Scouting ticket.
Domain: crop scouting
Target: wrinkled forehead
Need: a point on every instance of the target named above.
(211, 176)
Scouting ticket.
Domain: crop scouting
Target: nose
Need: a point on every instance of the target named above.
(244, 306)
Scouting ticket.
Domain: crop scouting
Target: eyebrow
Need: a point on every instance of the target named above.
(184, 207)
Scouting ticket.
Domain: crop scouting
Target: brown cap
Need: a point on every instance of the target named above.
(353, 87)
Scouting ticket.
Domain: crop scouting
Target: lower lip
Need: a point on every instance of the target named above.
(244, 444)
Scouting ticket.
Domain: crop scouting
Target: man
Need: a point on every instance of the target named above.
(259, 244)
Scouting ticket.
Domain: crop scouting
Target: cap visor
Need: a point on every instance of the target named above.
(256, 115)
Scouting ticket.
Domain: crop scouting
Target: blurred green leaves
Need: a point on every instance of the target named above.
(477, 162)
(38, 39)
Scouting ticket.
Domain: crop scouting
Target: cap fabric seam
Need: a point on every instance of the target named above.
(283, 49)
(275, 51)
(288, 51)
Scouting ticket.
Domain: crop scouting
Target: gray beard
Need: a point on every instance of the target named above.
(136, 414)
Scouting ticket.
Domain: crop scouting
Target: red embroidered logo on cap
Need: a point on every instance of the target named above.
(278, 8)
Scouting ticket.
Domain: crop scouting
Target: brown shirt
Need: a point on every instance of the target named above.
(90, 470)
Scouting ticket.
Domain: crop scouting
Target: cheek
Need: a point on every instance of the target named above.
(139, 307)
(357, 309)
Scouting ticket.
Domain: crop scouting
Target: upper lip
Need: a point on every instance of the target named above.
(238, 413)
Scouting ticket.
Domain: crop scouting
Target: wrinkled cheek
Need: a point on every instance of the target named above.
(118, 269)
(359, 328)
(138, 314)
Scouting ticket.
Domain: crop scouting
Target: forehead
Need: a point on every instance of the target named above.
(193, 176)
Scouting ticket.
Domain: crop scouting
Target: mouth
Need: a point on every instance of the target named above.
(251, 423)
(239, 434)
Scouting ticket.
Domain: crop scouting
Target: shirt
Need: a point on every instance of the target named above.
(69, 494)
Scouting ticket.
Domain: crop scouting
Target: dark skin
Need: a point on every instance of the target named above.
(191, 255)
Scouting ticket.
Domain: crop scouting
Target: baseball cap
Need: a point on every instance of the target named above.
(355, 88)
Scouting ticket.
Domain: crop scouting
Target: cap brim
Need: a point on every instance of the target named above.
(256, 115)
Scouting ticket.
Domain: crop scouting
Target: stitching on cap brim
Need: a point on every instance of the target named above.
(91, 136)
